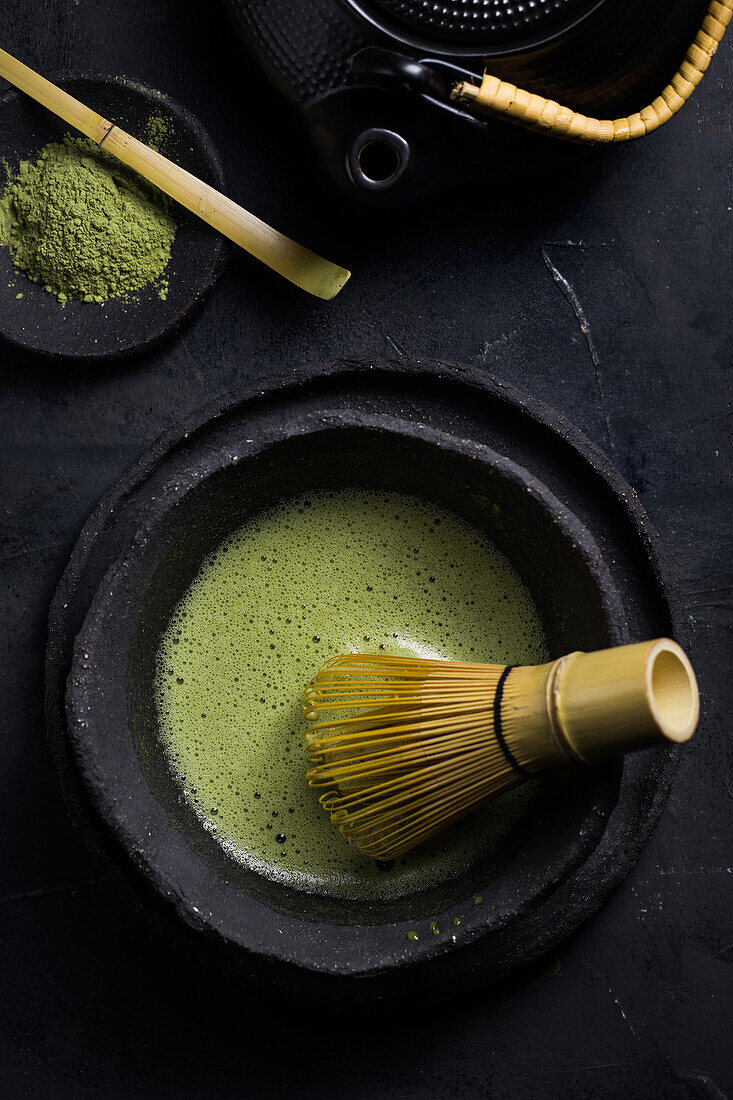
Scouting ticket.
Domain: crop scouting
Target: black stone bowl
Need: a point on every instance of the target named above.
(204, 480)
(33, 319)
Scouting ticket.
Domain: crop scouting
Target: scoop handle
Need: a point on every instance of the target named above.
(293, 261)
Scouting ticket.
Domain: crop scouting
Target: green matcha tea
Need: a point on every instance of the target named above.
(84, 226)
(325, 574)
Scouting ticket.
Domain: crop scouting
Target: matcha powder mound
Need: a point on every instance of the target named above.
(84, 226)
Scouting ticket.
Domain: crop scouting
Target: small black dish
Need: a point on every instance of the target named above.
(34, 320)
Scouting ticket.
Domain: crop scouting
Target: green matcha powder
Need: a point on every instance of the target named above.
(84, 226)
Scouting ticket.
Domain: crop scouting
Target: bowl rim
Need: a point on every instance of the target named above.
(128, 815)
(450, 393)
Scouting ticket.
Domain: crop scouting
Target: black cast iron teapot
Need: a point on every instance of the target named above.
(404, 97)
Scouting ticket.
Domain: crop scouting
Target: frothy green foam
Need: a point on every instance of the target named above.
(328, 573)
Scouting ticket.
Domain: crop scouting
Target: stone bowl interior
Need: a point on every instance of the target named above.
(113, 724)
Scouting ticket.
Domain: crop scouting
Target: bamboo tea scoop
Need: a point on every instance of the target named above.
(401, 746)
(291, 260)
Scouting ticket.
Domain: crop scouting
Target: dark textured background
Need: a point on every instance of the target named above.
(604, 290)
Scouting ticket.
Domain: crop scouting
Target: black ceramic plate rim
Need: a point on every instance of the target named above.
(132, 813)
(624, 839)
(184, 118)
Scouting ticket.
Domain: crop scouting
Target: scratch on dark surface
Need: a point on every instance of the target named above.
(683, 872)
(583, 1066)
(501, 342)
(394, 344)
(622, 1010)
(709, 594)
(565, 244)
(693, 425)
(570, 294)
(44, 891)
(38, 548)
(400, 285)
(603, 978)
(711, 1089)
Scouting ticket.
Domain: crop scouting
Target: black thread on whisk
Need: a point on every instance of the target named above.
(497, 723)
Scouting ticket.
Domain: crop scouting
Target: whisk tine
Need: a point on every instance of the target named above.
(403, 746)
(400, 738)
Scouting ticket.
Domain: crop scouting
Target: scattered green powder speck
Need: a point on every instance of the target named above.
(158, 131)
(552, 968)
(84, 226)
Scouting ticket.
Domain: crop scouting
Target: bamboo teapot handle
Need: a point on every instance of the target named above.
(500, 98)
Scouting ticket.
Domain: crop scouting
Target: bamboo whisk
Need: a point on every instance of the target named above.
(291, 260)
(402, 747)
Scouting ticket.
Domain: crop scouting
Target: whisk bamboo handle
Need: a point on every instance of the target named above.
(499, 97)
(291, 260)
(589, 705)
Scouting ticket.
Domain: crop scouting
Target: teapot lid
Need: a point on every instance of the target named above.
(473, 23)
